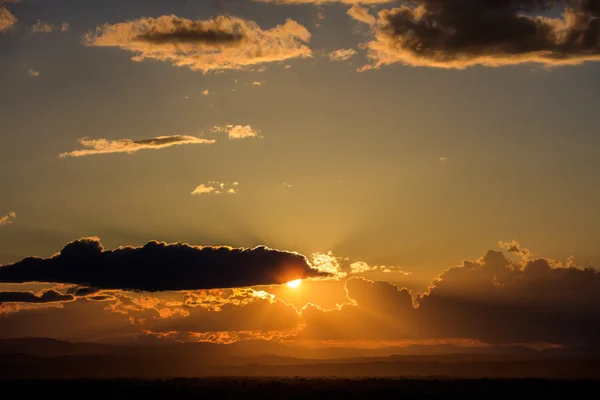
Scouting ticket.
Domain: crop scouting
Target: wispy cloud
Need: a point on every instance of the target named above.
(238, 131)
(214, 187)
(44, 27)
(107, 146)
(217, 44)
(342, 54)
(8, 218)
(361, 14)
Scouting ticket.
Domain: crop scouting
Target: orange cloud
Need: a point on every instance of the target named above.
(8, 218)
(342, 54)
(7, 20)
(108, 146)
(216, 188)
(238, 131)
(361, 14)
(218, 44)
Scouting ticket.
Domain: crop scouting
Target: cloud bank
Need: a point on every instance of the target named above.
(460, 34)
(107, 146)
(159, 266)
(218, 44)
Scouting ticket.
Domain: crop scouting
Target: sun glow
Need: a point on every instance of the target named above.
(295, 283)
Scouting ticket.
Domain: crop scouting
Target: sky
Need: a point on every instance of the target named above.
(425, 167)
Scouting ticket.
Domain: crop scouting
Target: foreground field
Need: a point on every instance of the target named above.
(300, 388)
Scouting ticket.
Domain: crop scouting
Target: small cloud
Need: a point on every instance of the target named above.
(7, 20)
(107, 146)
(287, 66)
(256, 83)
(43, 27)
(238, 131)
(8, 218)
(205, 92)
(33, 72)
(361, 14)
(341, 54)
(215, 187)
(443, 160)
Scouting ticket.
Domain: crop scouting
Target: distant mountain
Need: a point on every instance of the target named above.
(236, 352)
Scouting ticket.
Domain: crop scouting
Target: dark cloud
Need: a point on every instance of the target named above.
(49, 296)
(160, 266)
(185, 35)
(458, 34)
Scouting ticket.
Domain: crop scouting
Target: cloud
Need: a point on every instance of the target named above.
(214, 187)
(342, 54)
(238, 131)
(461, 34)
(256, 83)
(7, 20)
(205, 92)
(49, 296)
(8, 218)
(325, 1)
(218, 44)
(492, 300)
(43, 27)
(33, 72)
(361, 14)
(443, 160)
(158, 266)
(107, 146)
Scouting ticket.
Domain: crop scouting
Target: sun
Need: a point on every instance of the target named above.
(295, 283)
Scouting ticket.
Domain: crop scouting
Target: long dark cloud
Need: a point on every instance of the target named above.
(49, 296)
(459, 34)
(160, 266)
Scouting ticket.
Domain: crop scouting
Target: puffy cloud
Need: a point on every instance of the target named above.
(159, 266)
(443, 160)
(8, 218)
(361, 14)
(492, 300)
(459, 34)
(256, 83)
(238, 131)
(205, 92)
(499, 301)
(342, 54)
(107, 146)
(33, 72)
(44, 27)
(48, 296)
(217, 44)
(214, 187)
(7, 19)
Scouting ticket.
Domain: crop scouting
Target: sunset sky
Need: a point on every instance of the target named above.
(366, 147)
